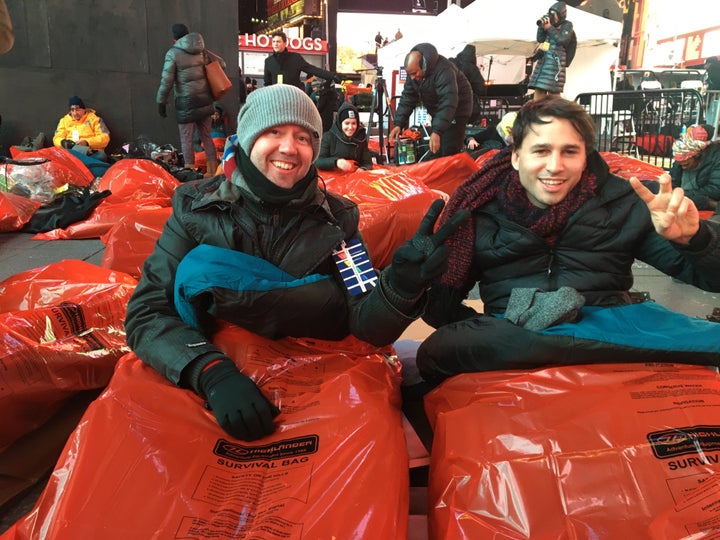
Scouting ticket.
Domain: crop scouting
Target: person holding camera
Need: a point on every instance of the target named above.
(554, 36)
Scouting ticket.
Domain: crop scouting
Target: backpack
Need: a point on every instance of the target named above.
(571, 49)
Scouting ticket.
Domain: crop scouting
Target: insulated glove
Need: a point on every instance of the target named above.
(422, 259)
(239, 406)
(162, 110)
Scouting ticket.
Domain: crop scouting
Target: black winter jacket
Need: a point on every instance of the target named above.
(444, 91)
(298, 238)
(466, 62)
(184, 71)
(594, 254)
(290, 64)
(335, 145)
(549, 72)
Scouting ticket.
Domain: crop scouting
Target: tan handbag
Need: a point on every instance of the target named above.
(219, 82)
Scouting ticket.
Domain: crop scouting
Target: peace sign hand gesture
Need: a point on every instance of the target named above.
(674, 216)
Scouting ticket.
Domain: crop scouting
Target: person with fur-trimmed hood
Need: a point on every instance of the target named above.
(345, 146)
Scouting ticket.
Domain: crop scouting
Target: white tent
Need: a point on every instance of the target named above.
(509, 28)
(506, 29)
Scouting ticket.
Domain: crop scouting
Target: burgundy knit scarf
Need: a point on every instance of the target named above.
(497, 179)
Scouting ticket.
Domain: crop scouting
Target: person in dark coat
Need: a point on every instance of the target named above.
(554, 34)
(551, 243)
(345, 146)
(184, 73)
(697, 167)
(284, 66)
(466, 61)
(266, 220)
(435, 82)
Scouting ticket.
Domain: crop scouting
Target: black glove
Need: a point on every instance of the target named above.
(239, 406)
(162, 111)
(422, 259)
(67, 143)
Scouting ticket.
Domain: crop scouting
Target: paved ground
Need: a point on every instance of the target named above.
(18, 252)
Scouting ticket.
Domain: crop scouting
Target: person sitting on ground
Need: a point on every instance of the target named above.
(266, 219)
(551, 243)
(345, 146)
(82, 131)
(697, 167)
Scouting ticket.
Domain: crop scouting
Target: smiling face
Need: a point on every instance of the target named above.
(283, 154)
(349, 126)
(550, 161)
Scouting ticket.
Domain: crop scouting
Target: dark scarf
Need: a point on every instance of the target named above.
(497, 179)
(265, 189)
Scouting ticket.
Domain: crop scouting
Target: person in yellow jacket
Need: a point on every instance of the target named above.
(82, 131)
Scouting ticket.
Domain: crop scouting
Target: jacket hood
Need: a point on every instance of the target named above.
(468, 54)
(191, 43)
(561, 9)
(430, 54)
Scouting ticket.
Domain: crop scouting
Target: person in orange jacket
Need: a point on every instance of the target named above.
(82, 131)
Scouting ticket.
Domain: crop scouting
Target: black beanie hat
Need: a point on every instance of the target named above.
(75, 101)
(179, 30)
(347, 112)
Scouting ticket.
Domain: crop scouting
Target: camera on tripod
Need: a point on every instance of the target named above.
(542, 20)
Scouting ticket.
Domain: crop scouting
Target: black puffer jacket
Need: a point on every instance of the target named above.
(466, 62)
(184, 71)
(298, 238)
(444, 91)
(702, 183)
(335, 144)
(549, 72)
(594, 254)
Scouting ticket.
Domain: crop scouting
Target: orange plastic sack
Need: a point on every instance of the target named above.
(134, 184)
(149, 461)
(443, 174)
(391, 208)
(62, 330)
(627, 166)
(15, 211)
(65, 168)
(601, 451)
(138, 180)
(129, 242)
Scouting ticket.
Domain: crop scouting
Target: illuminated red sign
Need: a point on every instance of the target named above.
(263, 42)
(276, 6)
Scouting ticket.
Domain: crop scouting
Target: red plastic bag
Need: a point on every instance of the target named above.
(148, 460)
(65, 167)
(599, 451)
(443, 174)
(134, 184)
(391, 208)
(129, 242)
(627, 166)
(15, 211)
(62, 330)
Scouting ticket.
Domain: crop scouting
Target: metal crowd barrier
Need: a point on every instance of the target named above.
(643, 123)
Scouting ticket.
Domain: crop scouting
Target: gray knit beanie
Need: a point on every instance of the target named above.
(273, 106)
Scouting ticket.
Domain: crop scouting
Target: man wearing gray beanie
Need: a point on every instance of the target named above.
(262, 246)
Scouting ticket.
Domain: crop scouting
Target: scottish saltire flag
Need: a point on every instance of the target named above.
(355, 267)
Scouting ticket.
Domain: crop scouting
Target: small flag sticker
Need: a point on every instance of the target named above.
(355, 267)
